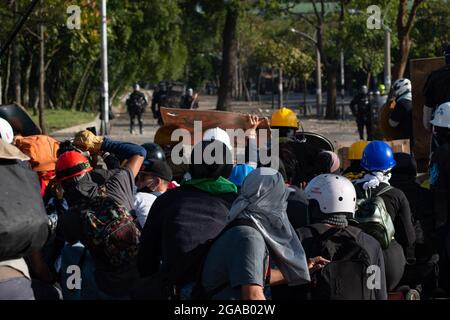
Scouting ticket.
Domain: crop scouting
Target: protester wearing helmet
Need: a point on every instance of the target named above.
(355, 171)
(285, 120)
(81, 184)
(6, 131)
(293, 152)
(332, 199)
(440, 187)
(362, 110)
(189, 100)
(401, 116)
(136, 104)
(377, 161)
(436, 91)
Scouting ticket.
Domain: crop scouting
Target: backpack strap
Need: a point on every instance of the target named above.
(383, 190)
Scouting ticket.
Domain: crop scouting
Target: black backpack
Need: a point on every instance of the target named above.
(165, 286)
(24, 225)
(345, 277)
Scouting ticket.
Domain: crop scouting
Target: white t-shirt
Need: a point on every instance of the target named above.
(142, 203)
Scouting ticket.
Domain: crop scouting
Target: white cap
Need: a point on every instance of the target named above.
(333, 193)
(6, 131)
(219, 135)
(442, 116)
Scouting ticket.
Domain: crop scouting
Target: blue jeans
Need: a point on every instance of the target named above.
(70, 256)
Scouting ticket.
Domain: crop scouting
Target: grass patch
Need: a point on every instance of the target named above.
(60, 119)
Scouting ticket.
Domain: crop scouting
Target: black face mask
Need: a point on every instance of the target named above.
(79, 189)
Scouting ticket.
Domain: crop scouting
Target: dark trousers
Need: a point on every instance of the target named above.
(395, 262)
(361, 123)
(139, 117)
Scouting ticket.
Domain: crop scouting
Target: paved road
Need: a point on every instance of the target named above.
(336, 130)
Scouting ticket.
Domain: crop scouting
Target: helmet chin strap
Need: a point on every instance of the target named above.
(302, 137)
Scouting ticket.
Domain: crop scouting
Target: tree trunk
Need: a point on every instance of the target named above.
(280, 88)
(404, 47)
(229, 57)
(331, 72)
(16, 73)
(7, 77)
(369, 76)
(305, 89)
(26, 81)
(41, 75)
(405, 23)
(81, 85)
(16, 63)
(273, 89)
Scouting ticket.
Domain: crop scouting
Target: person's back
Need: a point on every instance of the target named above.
(112, 203)
(353, 252)
(237, 258)
(179, 221)
(354, 255)
(23, 223)
(185, 217)
(378, 161)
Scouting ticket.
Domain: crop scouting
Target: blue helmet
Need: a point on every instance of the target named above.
(377, 156)
(239, 172)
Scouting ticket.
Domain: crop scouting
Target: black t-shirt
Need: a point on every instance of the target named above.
(402, 114)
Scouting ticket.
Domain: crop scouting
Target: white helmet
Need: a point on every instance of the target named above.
(442, 116)
(136, 87)
(6, 131)
(190, 92)
(219, 135)
(335, 194)
(401, 86)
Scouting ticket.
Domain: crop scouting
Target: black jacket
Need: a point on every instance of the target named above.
(179, 221)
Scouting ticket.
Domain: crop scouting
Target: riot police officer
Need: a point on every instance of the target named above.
(160, 99)
(136, 104)
(361, 108)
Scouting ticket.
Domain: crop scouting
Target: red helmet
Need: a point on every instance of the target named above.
(71, 164)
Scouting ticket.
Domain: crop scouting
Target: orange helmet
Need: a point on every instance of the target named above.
(71, 164)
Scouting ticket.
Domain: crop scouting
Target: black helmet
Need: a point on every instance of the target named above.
(154, 152)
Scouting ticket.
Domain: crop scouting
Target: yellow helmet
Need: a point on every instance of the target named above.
(284, 117)
(355, 151)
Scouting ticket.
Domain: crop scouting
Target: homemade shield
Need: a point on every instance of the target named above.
(19, 120)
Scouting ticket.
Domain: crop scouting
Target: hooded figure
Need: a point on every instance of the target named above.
(263, 200)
